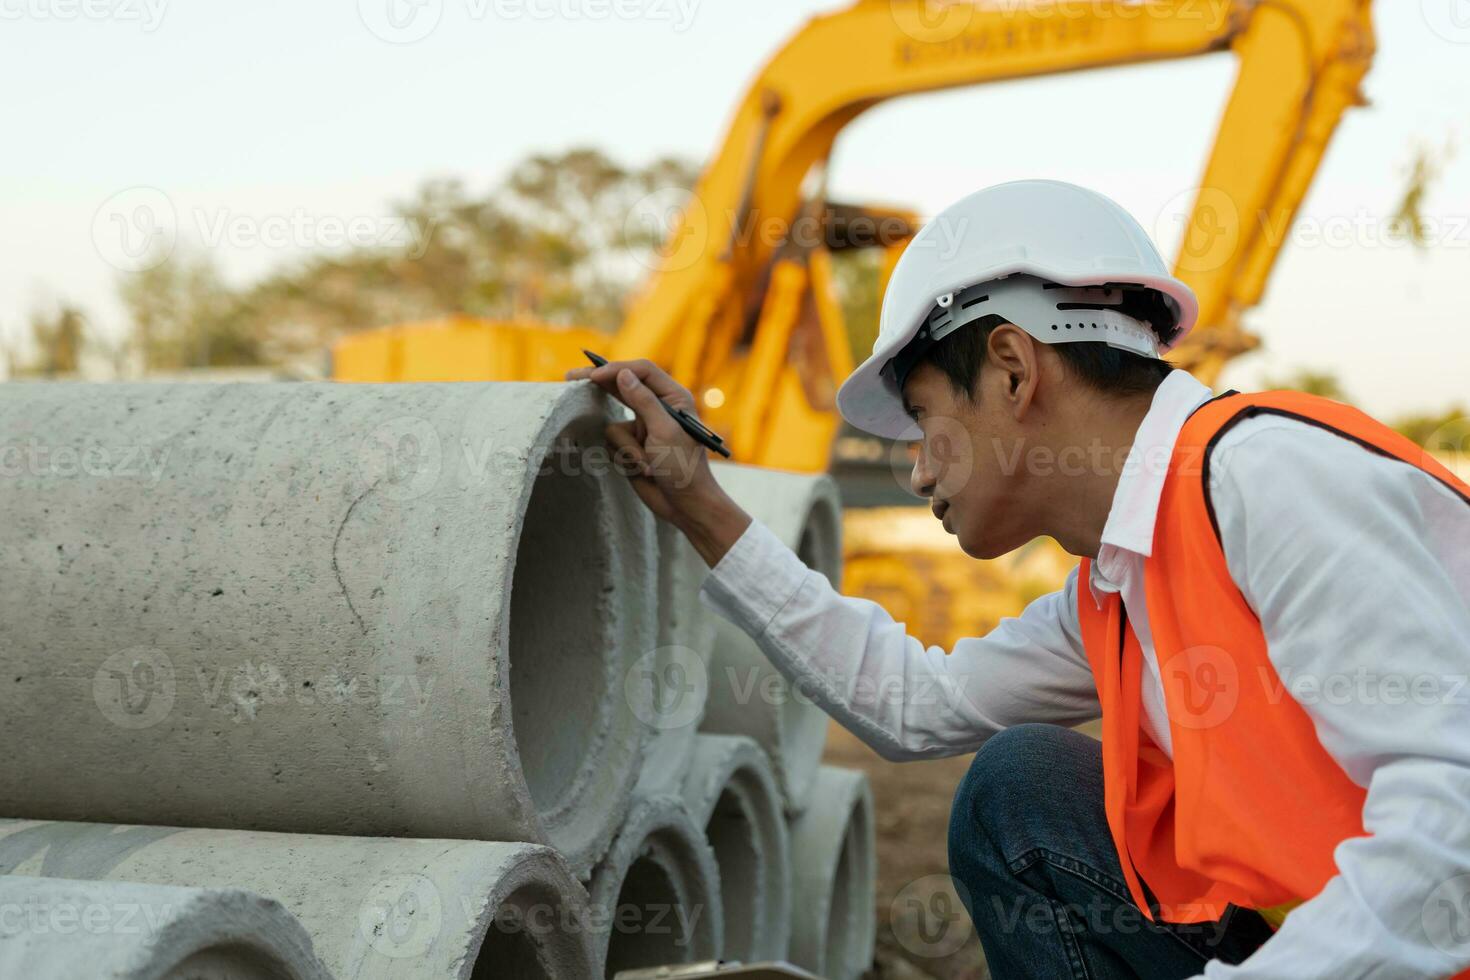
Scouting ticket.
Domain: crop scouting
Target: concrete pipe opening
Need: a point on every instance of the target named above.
(432, 651)
(559, 630)
(654, 895)
(185, 933)
(518, 944)
(732, 836)
(840, 924)
(731, 791)
(832, 850)
(647, 886)
(375, 907)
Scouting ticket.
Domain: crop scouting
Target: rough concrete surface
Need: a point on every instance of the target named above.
(656, 894)
(678, 671)
(803, 511)
(54, 929)
(834, 869)
(376, 908)
(347, 609)
(731, 793)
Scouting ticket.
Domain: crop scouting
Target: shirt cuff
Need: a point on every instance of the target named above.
(754, 580)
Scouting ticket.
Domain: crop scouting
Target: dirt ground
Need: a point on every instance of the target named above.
(924, 932)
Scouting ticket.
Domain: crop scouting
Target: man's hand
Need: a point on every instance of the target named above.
(670, 471)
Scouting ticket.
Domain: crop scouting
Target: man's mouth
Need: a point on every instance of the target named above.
(940, 508)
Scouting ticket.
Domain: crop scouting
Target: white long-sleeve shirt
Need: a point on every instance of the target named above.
(1358, 567)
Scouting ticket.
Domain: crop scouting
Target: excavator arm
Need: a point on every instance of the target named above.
(735, 284)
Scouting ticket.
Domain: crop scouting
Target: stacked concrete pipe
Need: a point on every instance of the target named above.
(377, 908)
(656, 894)
(804, 511)
(731, 793)
(397, 610)
(54, 928)
(834, 873)
(674, 678)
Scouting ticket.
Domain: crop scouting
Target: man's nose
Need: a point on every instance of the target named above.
(921, 480)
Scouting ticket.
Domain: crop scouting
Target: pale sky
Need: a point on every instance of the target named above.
(239, 113)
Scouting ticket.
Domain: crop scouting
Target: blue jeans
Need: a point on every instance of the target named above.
(1034, 863)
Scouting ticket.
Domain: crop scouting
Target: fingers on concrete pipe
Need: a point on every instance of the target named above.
(834, 872)
(348, 609)
(656, 895)
(747, 695)
(375, 908)
(128, 931)
(732, 794)
(672, 682)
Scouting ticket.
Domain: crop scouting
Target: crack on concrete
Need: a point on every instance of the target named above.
(337, 569)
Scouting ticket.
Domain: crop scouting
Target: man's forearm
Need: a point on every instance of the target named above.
(712, 522)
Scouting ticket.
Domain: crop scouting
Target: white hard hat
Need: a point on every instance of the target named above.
(1038, 237)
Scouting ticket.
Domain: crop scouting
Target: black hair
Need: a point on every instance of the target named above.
(1108, 370)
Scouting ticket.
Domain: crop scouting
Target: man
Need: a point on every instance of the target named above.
(1271, 618)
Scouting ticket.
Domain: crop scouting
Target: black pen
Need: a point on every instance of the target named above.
(701, 433)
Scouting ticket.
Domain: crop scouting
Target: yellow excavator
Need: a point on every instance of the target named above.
(743, 309)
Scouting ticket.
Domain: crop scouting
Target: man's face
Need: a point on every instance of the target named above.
(963, 466)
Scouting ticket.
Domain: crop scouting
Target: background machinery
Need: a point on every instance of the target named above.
(743, 308)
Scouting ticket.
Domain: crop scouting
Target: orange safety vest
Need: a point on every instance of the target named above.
(1251, 806)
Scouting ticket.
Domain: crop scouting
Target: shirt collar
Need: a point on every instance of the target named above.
(1130, 524)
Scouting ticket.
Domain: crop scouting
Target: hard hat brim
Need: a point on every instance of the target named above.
(870, 400)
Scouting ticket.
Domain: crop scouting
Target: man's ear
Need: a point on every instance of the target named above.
(1012, 352)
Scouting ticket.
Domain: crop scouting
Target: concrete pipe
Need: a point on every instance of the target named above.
(53, 928)
(731, 793)
(376, 908)
(747, 695)
(396, 610)
(656, 895)
(834, 872)
(676, 675)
